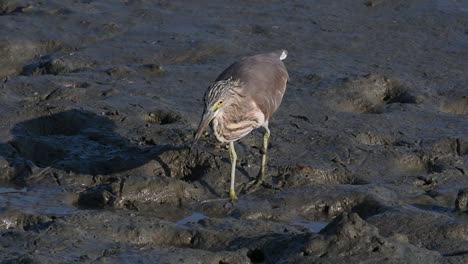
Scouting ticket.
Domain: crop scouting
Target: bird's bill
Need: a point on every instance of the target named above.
(206, 119)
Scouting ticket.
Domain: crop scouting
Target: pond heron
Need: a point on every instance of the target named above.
(243, 98)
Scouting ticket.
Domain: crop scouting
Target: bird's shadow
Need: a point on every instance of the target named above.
(75, 141)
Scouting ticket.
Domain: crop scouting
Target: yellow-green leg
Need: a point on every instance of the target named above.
(252, 185)
(233, 156)
(266, 137)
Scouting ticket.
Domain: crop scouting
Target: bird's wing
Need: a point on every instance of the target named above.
(263, 79)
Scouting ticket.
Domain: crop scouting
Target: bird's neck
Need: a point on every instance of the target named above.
(228, 127)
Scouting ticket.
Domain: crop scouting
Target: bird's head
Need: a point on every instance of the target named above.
(216, 98)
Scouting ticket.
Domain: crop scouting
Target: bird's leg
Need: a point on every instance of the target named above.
(233, 156)
(261, 174)
(252, 185)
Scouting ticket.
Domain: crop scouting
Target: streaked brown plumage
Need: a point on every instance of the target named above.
(243, 98)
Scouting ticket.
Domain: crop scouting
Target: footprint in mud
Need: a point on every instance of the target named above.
(47, 65)
(455, 102)
(160, 117)
(13, 7)
(406, 165)
(55, 62)
(370, 94)
(373, 138)
(299, 175)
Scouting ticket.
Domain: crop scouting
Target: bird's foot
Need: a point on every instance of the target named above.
(232, 195)
(253, 185)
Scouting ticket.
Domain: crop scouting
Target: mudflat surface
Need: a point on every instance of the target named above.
(368, 154)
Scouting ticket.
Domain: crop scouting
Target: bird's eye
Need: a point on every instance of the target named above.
(217, 105)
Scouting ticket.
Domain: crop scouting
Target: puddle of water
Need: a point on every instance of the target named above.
(193, 218)
(434, 208)
(51, 201)
(314, 226)
(6, 190)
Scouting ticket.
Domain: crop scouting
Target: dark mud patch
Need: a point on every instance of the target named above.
(204, 171)
(372, 138)
(26, 57)
(299, 175)
(370, 94)
(120, 71)
(455, 102)
(49, 90)
(413, 164)
(175, 177)
(187, 164)
(462, 147)
(256, 255)
(216, 234)
(449, 147)
(153, 68)
(45, 65)
(160, 117)
(313, 203)
(139, 193)
(424, 228)
(347, 233)
(461, 203)
(358, 237)
(133, 71)
(402, 164)
(443, 157)
(12, 7)
(68, 123)
(198, 52)
(14, 219)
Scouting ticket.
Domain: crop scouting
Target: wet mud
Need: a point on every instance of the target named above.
(368, 156)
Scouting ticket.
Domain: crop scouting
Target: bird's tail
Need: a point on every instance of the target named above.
(284, 54)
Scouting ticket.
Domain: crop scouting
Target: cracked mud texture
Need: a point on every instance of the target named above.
(368, 157)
